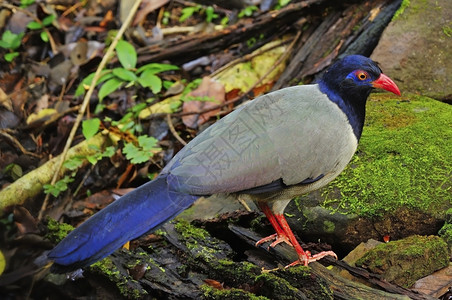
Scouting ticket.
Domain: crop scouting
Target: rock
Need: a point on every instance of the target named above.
(415, 48)
(436, 284)
(406, 260)
(360, 251)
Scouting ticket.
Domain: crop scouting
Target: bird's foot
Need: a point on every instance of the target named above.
(308, 258)
(276, 238)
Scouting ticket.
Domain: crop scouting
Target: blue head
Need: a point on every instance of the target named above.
(348, 83)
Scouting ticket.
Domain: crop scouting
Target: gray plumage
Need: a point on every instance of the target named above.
(249, 147)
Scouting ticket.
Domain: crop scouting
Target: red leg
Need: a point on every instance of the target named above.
(280, 235)
(304, 257)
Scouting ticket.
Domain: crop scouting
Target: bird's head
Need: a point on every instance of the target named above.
(355, 76)
(348, 83)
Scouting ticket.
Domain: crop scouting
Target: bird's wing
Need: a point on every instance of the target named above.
(293, 135)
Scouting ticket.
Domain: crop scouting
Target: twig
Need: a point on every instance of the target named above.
(85, 103)
(17, 143)
(173, 130)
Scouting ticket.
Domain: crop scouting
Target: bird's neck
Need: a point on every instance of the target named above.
(352, 104)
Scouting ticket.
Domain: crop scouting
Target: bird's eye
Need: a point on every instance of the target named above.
(362, 75)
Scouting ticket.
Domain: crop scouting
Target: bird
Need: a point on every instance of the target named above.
(278, 146)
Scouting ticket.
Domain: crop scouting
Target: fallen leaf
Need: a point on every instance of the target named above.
(210, 89)
(169, 105)
(435, 284)
(215, 284)
(4, 100)
(2, 262)
(147, 6)
(41, 116)
(24, 220)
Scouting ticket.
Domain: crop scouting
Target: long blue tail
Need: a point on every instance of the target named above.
(134, 214)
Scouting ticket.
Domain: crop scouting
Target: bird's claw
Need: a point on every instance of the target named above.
(308, 258)
(277, 239)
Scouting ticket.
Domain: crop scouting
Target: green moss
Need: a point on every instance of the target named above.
(402, 160)
(235, 272)
(328, 226)
(399, 12)
(404, 261)
(313, 287)
(57, 231)
(232, 294)
(447, 30)
(126, 285)
(446, 231)
(274, 285)
(189, 231)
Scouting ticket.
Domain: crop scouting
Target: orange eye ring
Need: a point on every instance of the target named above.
(362, 75)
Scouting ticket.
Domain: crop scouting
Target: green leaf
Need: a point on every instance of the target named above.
(247, 11)
(210, 14)
(143, 153)
(104, 76)
(124, 74)
(73, 163)
(86, 82)
(90, 127)
(48, 20)
(157, 68)
(109, 151)
(148, 79)
(126, 54)
(44, 36)
(11, 40)
(147, 142)
(33, 25)
(60, 186)
(13, 170)
(187, 12)
(2, 263)
(109, 87)
(26, 3)
(10, 56)
(134, 154)
(283, 3)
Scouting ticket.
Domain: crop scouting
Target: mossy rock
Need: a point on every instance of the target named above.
(407, 260)
(397, 184)
(446, 231)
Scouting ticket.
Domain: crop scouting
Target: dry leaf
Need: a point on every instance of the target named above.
(208, 88)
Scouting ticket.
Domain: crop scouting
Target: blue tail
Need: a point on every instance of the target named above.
(134, 214)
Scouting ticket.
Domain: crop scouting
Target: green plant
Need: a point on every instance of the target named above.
(11, 41)
(13, 170)
(166, 17)
(247, 11)
(128, 121)
(187, 12)
(210, 14)
(127, 75)
(142, 152)
(282, 3)
(34, 25)
(209, 11)
(26, 3)
(59, 186)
